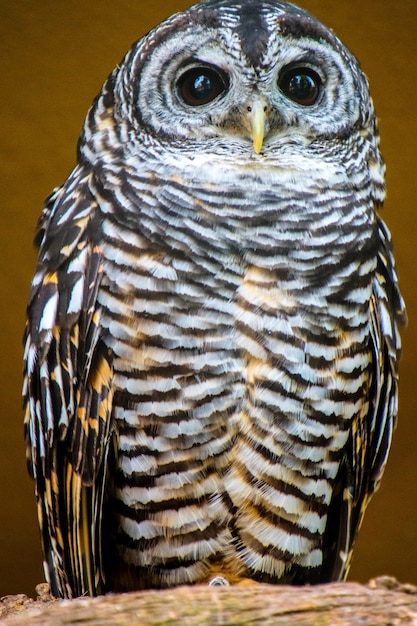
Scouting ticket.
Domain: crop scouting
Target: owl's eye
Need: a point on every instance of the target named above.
(200, 85)
(301, 85)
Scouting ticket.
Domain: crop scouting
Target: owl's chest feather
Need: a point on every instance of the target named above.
(239, 325)
(225, 268)
(206, 342)
(226, 403)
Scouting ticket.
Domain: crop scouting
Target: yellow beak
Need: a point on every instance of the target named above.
(256, 122)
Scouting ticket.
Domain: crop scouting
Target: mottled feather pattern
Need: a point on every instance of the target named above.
(212, 340)
(69, 383)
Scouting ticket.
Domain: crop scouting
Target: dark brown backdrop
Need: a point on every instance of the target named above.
(55, 55)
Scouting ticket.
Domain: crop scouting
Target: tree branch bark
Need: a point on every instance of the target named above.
(381, 601)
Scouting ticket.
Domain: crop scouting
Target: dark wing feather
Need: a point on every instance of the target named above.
(370, 439)
(387, 312)
(68, 389)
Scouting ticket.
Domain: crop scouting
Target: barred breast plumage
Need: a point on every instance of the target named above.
(211, 378)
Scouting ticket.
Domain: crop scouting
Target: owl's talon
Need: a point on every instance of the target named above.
(218, 581)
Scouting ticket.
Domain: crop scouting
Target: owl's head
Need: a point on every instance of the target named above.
(246, 76)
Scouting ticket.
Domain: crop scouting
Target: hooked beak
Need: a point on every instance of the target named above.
(255, 119)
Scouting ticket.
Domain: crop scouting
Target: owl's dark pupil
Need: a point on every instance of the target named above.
(301, 85)
(200, 85)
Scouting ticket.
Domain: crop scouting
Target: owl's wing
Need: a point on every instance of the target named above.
(387, 314)
(68, 389)
(370, 438)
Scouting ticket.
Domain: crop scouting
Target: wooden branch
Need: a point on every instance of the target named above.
(383, 601)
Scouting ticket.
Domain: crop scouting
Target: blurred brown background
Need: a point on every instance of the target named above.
(54, 57)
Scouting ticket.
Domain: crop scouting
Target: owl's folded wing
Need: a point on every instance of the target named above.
(370, 437)
(67, 390)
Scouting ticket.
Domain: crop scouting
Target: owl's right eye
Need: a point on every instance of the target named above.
(200, 85)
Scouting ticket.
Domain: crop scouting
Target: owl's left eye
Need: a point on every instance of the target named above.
(301, 85)
(200, 85)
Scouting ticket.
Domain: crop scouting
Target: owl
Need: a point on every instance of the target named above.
(212, 332)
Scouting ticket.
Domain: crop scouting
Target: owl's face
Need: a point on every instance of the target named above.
(246, 76)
